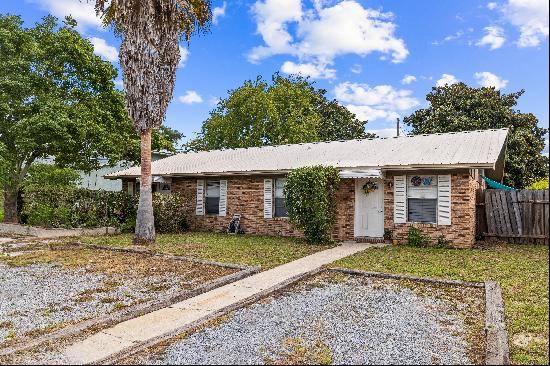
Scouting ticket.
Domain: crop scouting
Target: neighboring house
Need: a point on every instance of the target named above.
(428, 181)
(95, 179)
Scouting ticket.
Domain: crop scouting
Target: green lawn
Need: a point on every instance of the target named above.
(266, 251)
(521, 270)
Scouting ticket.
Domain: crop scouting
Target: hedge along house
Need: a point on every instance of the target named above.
(426, 181)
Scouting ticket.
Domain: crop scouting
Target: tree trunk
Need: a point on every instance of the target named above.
(145, 221)
(10, 204)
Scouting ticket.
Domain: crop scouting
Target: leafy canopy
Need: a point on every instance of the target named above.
(51, 175)
(59, 99)
(311, 202)
(541, 184)
(459, 107)
(289, 110)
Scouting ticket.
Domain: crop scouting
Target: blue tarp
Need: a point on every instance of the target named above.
(496, 185)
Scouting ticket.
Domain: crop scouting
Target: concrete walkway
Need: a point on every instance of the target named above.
(192, 311)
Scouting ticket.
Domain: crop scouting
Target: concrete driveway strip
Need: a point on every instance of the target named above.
(131, 333)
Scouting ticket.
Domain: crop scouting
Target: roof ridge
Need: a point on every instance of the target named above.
(335, 141)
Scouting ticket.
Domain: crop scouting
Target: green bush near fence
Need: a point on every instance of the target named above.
(71, 207)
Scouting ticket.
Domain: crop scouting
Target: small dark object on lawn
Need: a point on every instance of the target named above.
(235, 225)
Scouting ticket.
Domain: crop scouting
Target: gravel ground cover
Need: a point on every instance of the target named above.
(50, 288)
(340, 319)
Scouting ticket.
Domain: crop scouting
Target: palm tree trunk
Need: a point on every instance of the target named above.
(145, 221)
(10, 204)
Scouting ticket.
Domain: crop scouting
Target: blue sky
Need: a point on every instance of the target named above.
(378, 58)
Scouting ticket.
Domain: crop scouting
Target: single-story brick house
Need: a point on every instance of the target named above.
(428, 181)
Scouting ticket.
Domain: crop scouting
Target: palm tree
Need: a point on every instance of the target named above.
(149, 56)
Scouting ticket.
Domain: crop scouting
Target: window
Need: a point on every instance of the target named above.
(159, 187)
(422, 198)
(212, 197)
(280, 204)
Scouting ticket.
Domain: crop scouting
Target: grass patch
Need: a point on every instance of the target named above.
(265, 251)
(521, 270)
(298, 352)
(115, 264)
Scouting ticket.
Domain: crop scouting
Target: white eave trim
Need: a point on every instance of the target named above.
(342, 169)
(362, 173)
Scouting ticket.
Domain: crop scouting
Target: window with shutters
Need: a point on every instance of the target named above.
(280, 204)
(422, 198)
(212, 197)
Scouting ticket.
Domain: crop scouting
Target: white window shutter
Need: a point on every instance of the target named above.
(223, 197)
(200, 197)
(400, 199)
(268, 198)
(444, 199)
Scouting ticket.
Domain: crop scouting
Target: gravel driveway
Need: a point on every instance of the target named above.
(48, 289)
(341, 319)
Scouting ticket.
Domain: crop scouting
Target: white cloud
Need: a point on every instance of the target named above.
(190, 97)
(492, 5)
(356, 69)
(184, 55)
(531, 19)
(488, 79)
(494, 38)
(218, 12)
(320, 34)
(101, 48)
(82, 11)
(449, 38)
(315, 71)
(407, 79)
(446, 79)
(379, 102)
(271, 22)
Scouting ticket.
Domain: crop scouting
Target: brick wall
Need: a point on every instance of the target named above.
(461, 232)
(245, 196)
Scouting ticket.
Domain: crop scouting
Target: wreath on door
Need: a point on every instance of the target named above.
(369, 187)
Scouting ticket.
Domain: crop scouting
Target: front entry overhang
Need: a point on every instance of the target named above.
(361, 173)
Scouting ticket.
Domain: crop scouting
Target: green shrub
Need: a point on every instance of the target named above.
(310, 200)
(71, 207)
(416, 238)
(388, 234)
(169, 211)
(442, 242)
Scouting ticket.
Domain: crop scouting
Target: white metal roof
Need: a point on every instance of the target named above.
(471, 149)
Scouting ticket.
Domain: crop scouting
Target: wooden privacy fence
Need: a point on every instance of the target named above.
(515, 216)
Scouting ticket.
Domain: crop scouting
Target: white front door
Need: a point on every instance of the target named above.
(369, 209)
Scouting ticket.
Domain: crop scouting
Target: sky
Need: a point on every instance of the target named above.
(378, 58)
